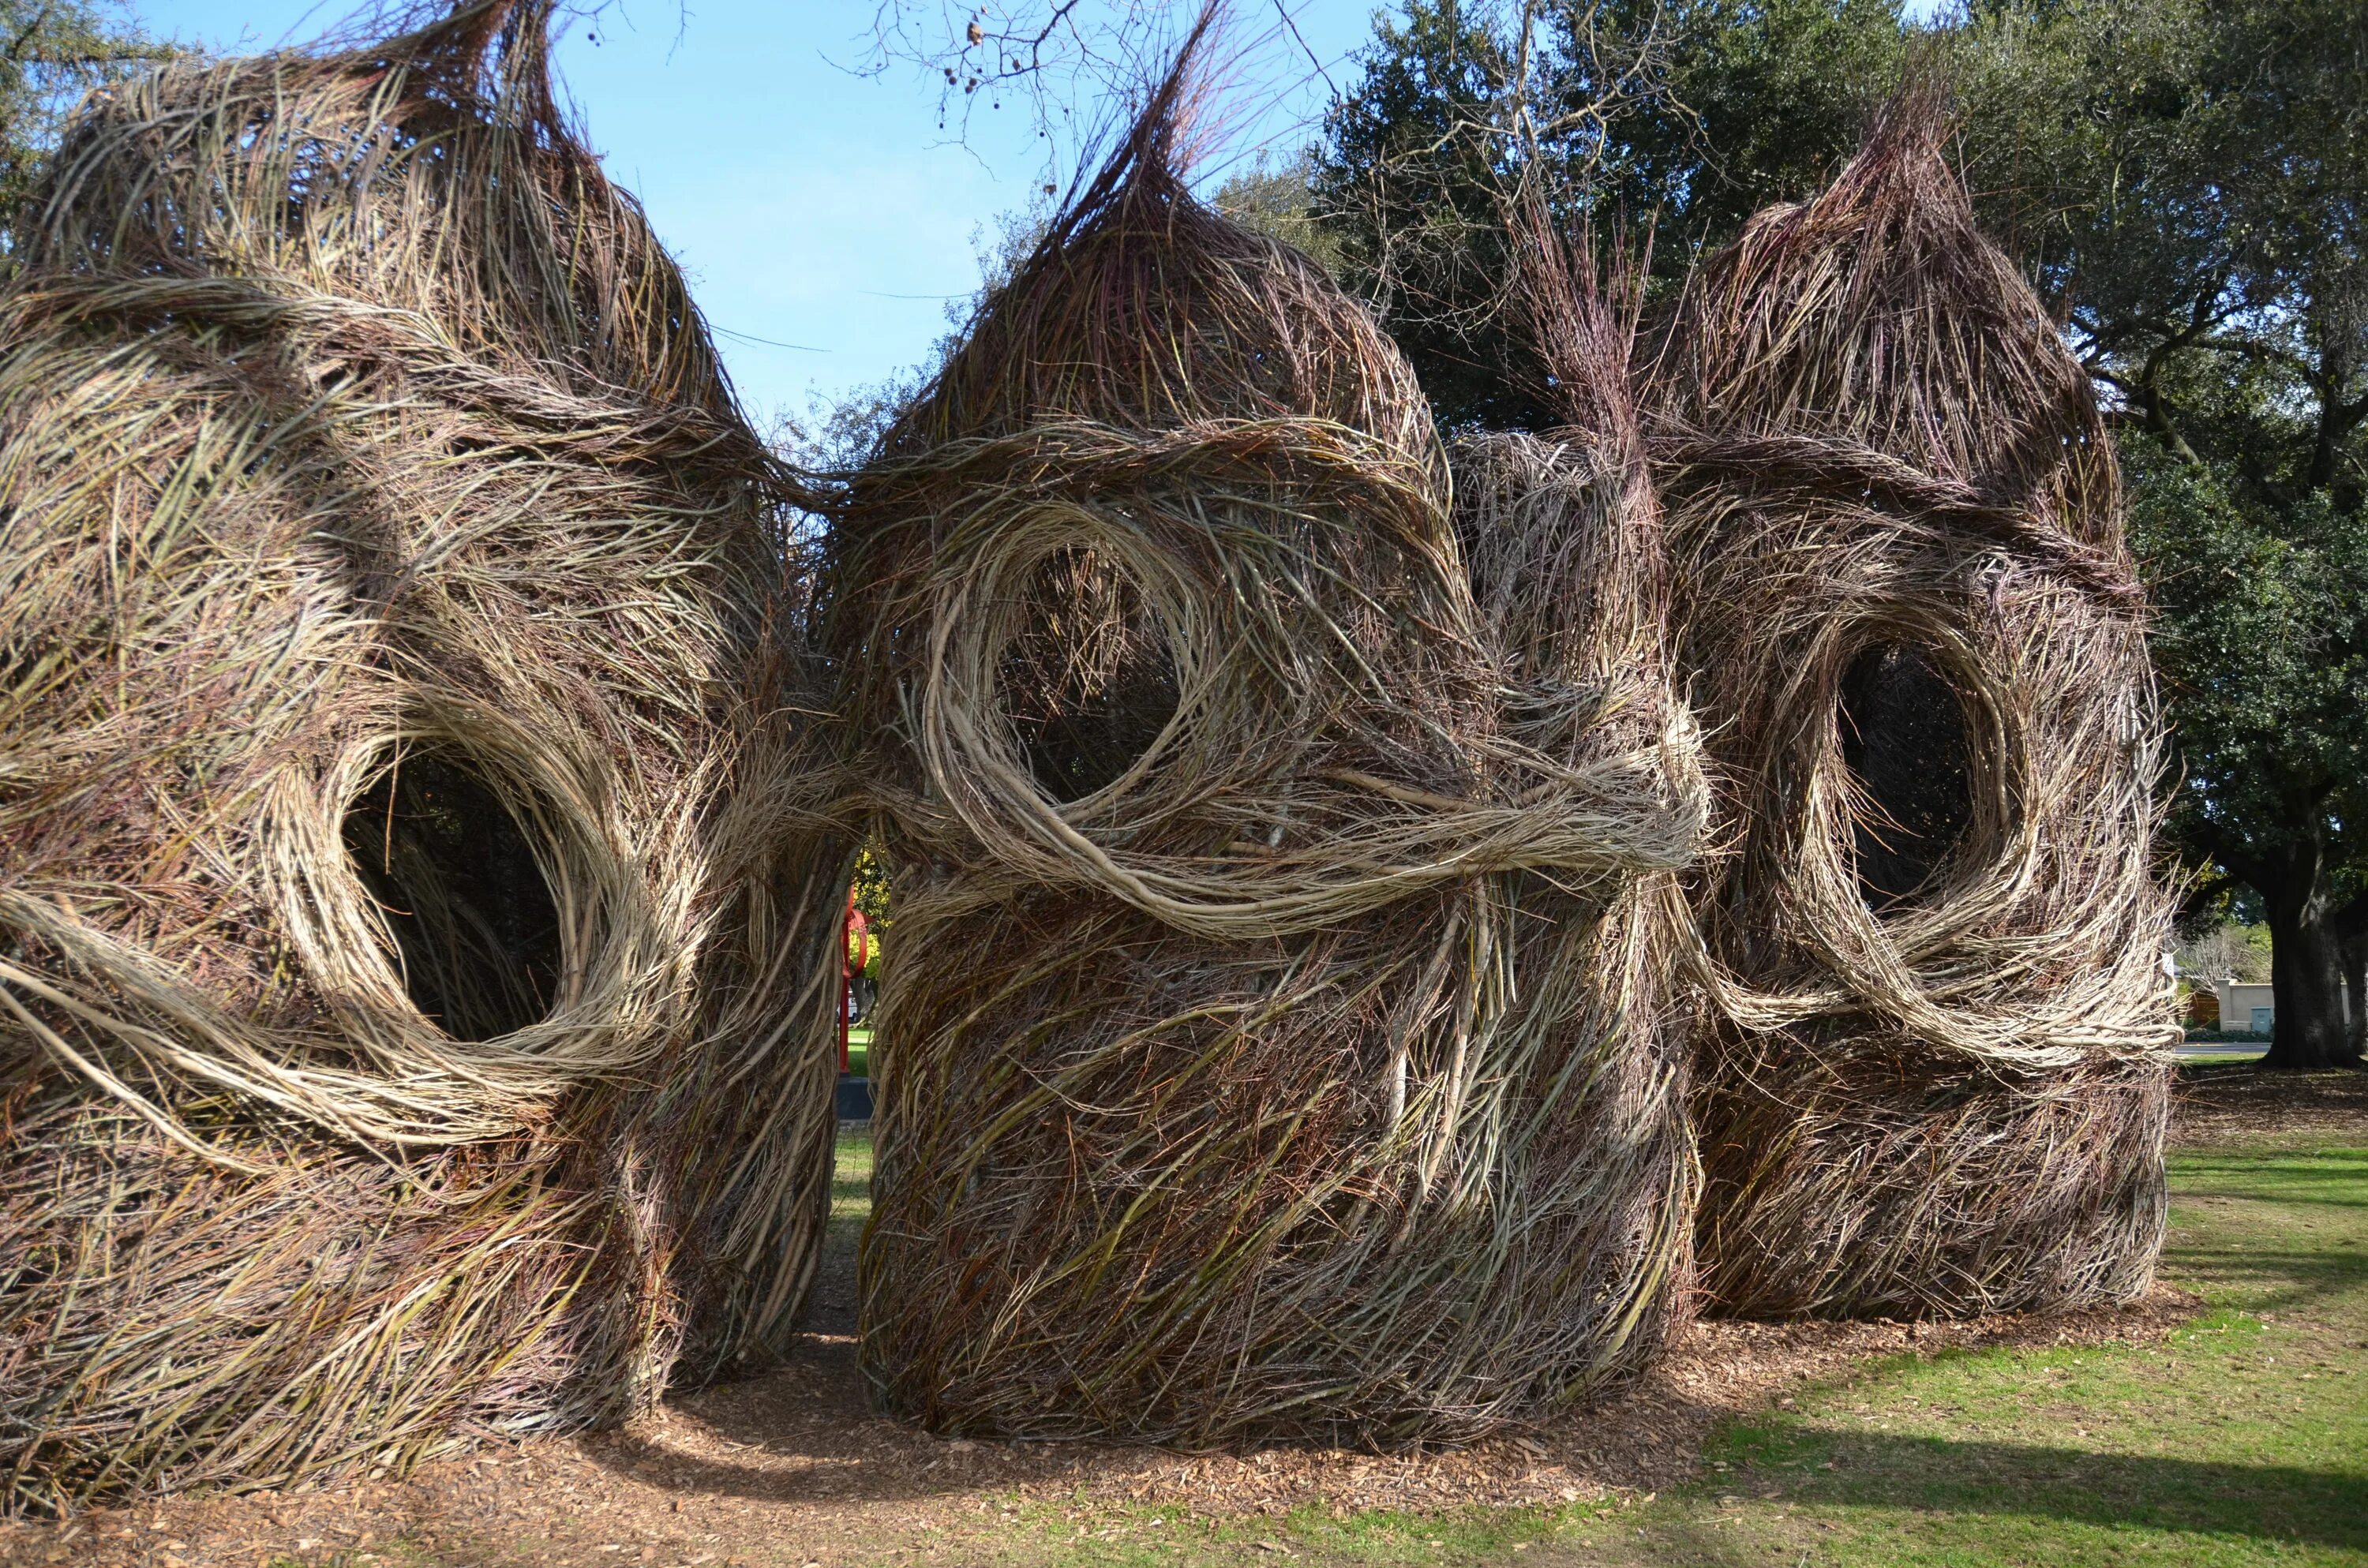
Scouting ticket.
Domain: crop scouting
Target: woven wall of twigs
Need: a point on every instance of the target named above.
(1933, 1071)
(1269, 1045)
(410, 989)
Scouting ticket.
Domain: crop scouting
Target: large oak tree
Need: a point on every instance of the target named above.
(2187, 180)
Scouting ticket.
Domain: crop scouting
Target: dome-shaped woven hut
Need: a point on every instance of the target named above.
(410, 985)
(1227, 1086)
(1933, 1076)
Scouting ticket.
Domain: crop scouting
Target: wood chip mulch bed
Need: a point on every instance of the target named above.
(2240, 1102)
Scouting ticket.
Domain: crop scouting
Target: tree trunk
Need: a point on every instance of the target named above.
(2307, 974)
(2354, 952)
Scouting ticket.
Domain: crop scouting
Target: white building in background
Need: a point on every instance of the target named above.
(2244, 1006)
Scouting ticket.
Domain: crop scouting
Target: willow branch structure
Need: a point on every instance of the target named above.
(411, 978)
(1231, 1082)
(1933, 1078)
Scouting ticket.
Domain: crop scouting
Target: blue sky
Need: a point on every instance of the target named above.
(810, 205)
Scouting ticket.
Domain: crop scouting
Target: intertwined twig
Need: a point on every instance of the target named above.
(1933, 1073)
(1272, 1043)
(392, 594)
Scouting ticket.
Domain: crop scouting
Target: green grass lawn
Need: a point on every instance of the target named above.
(851, 1189)
(858, 1053)
(2242, 1440)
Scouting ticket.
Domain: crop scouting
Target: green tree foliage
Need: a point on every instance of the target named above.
(52, 52)
(2187, 180)
(1752, 102)
(1414, 175)
(2227, 950)
(1277, 199)
(870, 886)
(1676, 118)
(2263, 623)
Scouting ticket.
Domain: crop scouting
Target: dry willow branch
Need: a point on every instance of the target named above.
(1934, 1074)
(1271, 1042)
(411, 996)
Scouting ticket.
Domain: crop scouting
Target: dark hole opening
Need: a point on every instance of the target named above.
(1090, 682)
(473, 917)
(1904, 739)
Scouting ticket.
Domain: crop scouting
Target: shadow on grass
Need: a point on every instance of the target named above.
(2272, 1282)
(2112, 1491)
(2324, 1174)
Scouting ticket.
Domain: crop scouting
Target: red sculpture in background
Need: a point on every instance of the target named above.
(855, 957)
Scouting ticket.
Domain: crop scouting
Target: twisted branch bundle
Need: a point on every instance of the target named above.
(1269, 1047)
(411, 987)
(1934, 1070)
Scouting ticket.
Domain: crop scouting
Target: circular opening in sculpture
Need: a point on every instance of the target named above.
(1907, 744)
(1087, 678)
(448, 859)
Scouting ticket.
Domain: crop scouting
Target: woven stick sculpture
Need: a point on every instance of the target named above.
(1934, 1074)
(410, 985)
(1229, 1087)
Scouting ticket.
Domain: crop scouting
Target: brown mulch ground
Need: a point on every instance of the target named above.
(790, 1469)
(2241, 1103)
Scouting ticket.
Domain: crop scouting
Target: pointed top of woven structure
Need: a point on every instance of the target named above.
(1142, 308)
(1876, 313)
(377, 172)
(1582, 323)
